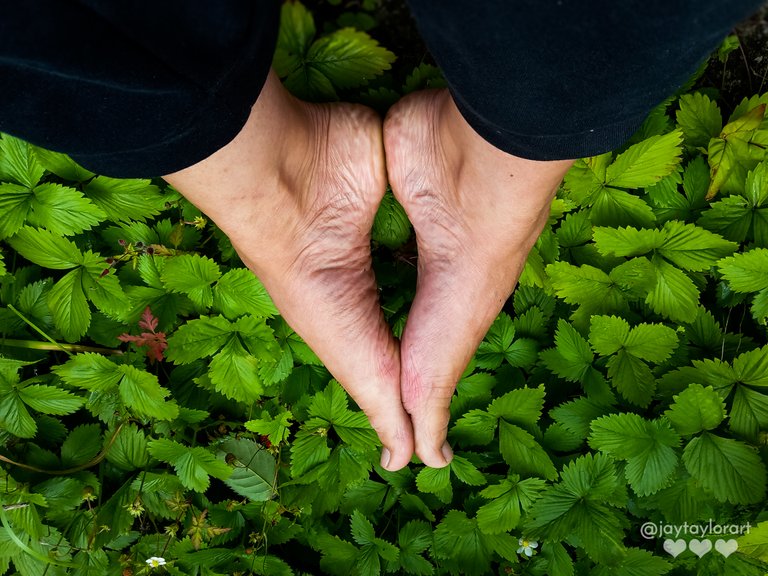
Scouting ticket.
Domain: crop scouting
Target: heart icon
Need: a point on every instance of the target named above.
(674, 547)
(726, 547)
(700, 547)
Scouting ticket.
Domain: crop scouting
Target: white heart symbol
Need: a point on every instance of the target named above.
(674, 547)
(726, 547)
(700, 547)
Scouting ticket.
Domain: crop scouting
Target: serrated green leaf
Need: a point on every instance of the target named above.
(476, 427)
(522, 406)
(46, 249)
(627, 241)
(297, 30)
(50, 400)
(14, 416)
(747, 271)
(459, 543)
(391, 226)
(727, 468)
(18, 162)
(14, 208)
(699, 118)
(253, 475)
(198, 338)
(193, 465)
(143, 394)
(575, 416)
(509, 499)
(362, 529)
(90, 371)
(674, 295)
(235, 373)
(632, 378)
(651, 342)
(67, 302)
(612, 207)
(466, 472)
(62, 210)
(62, 165)
(693, 248)
(635, 562)
(523, 454)
(123, 200)
(348, 58)
(585, 285)
(129, 450)
(239, 292)
(307, 451)
(646, 162)
(276, 429)
(193, 275)
(572, 357)
(695, 409)
(608, 334)
(434, 480)
(82, 445)
(749, 412)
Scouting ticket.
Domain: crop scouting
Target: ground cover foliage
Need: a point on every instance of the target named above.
(153, 404)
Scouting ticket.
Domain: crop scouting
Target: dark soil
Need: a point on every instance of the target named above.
(745, 72)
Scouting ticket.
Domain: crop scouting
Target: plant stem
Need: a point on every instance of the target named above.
(37, 345)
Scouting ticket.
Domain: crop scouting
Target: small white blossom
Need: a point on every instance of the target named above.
(527, 546)
(155, 561)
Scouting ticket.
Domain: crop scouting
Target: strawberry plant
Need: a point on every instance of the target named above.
(157, 414)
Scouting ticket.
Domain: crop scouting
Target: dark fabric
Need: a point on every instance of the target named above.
(133, 87)
(558, 79)
(145, 88)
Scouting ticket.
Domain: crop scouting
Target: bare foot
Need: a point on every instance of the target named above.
(477, 212)
(296, 192)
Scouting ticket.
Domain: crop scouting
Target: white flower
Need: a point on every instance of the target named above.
(156, 561)
(527, 546)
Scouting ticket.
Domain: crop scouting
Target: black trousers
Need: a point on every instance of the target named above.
(145, 87)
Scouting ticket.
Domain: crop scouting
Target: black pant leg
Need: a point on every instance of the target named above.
(557, 79)
(133, 87)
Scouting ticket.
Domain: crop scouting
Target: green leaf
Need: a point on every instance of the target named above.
(510, 498)
(191, 274)
(239, 292)
(50, 400)
(627, 241)
(235, 373)
(635, 562)
(575, 416)
(348, 58)
(14, 208)
(522, 406)
(81, 445)
(651, 342)
(143, 394)
(309, 449)
(14, 416)
(391, 226)
(46, 249)
(699, 118)
(612, 207)
(608, 334)
(572, 357)
(297, 30)
(124, 200)
(646, 162)
(434, 481)
(746, 272)
(254, 472)
(415, 537)
(646, 446)
(693, 248)
(129, 450)
(674, 296)
(62, 165)
(193, 465)
(466, 472)
(749, 412)
(67, 302)
(632, 378)
(476, 427)
(90, 371)
(585, 285)
(460, 544)
(523, 454)
(580, 505)
(695, 409)
(276, 429)
(63, 210)
(727, 468)
(198, 338)
(18, 162)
